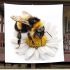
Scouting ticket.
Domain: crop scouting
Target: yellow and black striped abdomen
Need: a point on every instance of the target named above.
(21, 27)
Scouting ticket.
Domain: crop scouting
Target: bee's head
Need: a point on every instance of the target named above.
(33, 20)
(40, 32)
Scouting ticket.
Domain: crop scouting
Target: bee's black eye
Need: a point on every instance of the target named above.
(39, 30)
(33, 21)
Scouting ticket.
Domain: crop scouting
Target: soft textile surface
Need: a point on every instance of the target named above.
(51, 16)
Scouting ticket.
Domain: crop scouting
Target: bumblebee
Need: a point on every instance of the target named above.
(36, 33)
(34, 29)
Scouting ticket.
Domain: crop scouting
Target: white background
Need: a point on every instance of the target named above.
(52, 14)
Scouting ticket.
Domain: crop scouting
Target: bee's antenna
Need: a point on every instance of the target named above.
(48, 33)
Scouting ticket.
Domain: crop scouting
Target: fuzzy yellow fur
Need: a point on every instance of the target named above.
(19, 25)
(37, 42)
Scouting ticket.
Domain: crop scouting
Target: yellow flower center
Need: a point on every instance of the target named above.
(38, 42)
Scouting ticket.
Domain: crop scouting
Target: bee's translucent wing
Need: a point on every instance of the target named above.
(14, 18)
(26, 13)
(20, 19)
(17, 18)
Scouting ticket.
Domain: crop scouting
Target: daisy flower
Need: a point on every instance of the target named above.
(43, 52)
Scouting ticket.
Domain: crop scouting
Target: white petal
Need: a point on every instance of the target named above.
(22, 49)
(29, 53)
(53, 40)
(49, 51)
(36, 55)
(46, 50)
(52, 45)
(54, 34)
(42, 54)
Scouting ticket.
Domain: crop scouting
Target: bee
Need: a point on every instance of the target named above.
(33, 27)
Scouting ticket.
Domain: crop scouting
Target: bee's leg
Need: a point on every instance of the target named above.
(19, 39)
(29, 36)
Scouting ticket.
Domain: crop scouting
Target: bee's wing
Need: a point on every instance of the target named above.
(16, 18)
(26, 14)
(20, 19)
